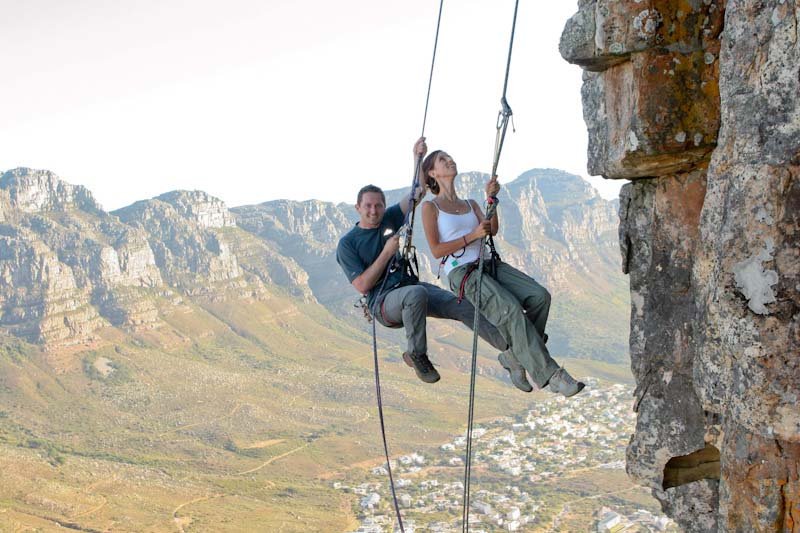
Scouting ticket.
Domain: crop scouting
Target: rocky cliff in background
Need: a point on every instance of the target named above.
(308, 232)
(699, 104)
(68, 268)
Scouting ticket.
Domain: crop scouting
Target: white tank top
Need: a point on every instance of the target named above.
(452, 227)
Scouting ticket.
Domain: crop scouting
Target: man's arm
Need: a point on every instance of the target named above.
(407, 201)
(373, 273)
(413, 198)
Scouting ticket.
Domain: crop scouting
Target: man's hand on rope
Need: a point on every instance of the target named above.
(420, 148)
(492, 187)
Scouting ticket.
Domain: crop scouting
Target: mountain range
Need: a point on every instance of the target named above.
(70, 268)
(176, 352)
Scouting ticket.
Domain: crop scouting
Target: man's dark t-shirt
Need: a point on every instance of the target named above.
(360, 247)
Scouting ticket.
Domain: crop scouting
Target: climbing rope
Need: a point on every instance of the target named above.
(409, 251)
(407, 261)
(503, 118)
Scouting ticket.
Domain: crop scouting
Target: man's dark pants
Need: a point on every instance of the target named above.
(411, 304)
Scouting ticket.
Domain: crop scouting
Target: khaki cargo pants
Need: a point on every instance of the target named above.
(518, 307)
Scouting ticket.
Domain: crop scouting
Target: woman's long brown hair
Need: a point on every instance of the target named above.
(427, 165)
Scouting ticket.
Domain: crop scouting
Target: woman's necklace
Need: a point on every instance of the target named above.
(455, 206)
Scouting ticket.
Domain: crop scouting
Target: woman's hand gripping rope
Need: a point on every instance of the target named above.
(492, 187)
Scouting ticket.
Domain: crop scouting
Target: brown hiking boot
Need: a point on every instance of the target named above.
(422, 366)
(515, 371)
(562, 383)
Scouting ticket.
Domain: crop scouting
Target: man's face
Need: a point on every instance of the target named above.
(371, 210)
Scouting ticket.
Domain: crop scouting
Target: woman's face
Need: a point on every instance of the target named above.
(444, 166)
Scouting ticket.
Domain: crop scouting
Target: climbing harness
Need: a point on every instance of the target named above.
(503, 118)
(470, 269)
(407, 261)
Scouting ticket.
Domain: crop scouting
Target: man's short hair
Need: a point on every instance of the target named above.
(370, 188)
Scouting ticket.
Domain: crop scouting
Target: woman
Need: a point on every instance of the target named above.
(512, 301)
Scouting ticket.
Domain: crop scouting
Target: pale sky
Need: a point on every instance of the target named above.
(254, 100)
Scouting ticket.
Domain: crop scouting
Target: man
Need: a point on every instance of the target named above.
(364, 254)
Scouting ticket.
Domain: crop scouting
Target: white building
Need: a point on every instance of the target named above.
(370, 501)
(405, 501)
(608, 521)
(661, 523)
(482, 507)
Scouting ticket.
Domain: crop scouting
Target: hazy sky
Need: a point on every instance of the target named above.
(254, 100)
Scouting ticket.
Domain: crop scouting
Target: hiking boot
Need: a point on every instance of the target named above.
(562, 383)
(422, 366)
(515, 371)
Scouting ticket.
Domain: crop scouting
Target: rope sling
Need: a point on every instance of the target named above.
(407, 261)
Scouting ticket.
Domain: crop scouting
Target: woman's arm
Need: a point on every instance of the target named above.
(440, 249)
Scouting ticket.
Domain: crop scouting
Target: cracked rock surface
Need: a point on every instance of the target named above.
(699, 104)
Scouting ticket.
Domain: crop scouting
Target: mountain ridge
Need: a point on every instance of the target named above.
(108, 268)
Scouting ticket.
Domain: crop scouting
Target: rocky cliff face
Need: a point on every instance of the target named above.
(200, 250)
(308, 232)
(68, 268)
(190, 253)
(699, 104)
(34, 191)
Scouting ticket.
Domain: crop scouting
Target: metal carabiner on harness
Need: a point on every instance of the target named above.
(362, 304)
(402, 233)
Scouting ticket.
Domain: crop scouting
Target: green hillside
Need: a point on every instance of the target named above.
(226, 416)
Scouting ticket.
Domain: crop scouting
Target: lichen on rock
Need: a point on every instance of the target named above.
(754, 282)
(707, 123)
